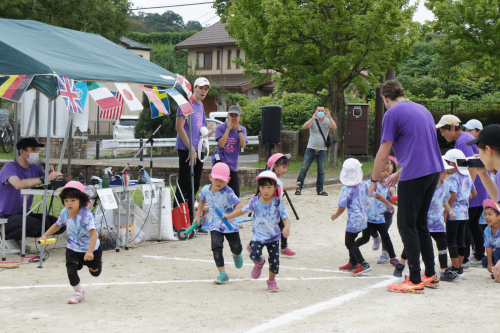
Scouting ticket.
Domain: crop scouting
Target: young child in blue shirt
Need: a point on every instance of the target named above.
(219, 195)
(491, 234)
(83, 244)
(353, 197)
(461, 190)
(267, 210)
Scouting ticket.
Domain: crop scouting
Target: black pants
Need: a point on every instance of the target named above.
(355, 256)
(284, 241)
(382, 229)
(455, 236)
(440, 238)
(14, 226)
(75, 261)
(273, 249)
(474, 235)
(234, 241)
(388, 222)
(185, 180)
(414, 199)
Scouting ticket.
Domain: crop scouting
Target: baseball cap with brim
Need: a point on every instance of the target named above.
(490, 135)
(474, 124)
(274, 158)
(72, 184)
(234, 109)
(452, 155)
(220, 171)
(201, 81)
(448, 119)
(490, 203)
(28, 142)
(446, 165)
(269, 174)
(351, 174)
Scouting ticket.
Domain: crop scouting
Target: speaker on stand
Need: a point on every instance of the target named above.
(271, 125)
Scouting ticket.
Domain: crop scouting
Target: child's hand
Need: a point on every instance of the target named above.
(286, 231)
(334, 217)
(452, 215)
(224, 216)
(368, 202)
(490, 267)
(89, 256)
(43, 239)
(391, 207)
(297, 185)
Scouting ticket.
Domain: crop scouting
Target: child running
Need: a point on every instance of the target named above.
(219, 195)
(83, 244)
(491, 234)
(375, 213)
(268, 209)
(353, 198)
(461, 190)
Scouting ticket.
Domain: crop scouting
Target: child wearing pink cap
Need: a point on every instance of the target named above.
(491, 234)
(219, 195)
(83, 243)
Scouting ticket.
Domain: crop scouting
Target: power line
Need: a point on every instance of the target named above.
(182, 5)
(203, 15)
(209, 19)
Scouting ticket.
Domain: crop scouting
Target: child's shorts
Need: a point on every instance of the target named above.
(73, 256)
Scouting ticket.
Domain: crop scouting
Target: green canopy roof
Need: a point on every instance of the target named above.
(31, 47)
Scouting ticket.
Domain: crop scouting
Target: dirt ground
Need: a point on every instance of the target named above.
(168, 287)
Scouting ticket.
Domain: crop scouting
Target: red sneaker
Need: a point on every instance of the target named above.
(349, 267)
(362, 268)
(431, 281)
(407, 287)
(287, 252)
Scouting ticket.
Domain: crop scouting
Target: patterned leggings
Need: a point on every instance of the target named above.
(273, 248)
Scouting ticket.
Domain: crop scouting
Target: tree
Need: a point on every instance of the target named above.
(193, 25)
(323, 45)
(470, 34)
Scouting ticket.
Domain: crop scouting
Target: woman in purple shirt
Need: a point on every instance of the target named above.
(408, 129)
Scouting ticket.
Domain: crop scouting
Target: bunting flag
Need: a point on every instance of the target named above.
(102, 96)
(162, 95)
(129, 97)
(186, 86)
(15, 86)
(181, 101)
(68, 92)
(113, 113)
(81, 89)
(154, 99)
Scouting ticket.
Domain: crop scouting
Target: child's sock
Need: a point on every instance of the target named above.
(78, 287)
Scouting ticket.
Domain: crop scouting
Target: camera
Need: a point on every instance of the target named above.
(471, 162)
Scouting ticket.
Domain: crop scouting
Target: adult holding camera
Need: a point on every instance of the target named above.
(319, 126)
(15, 176)
(230, 137)
(408, 129)
(451, 129)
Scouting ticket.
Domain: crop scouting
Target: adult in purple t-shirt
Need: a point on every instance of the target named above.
(230, 137)
(408, 129)
(17, 175)
(451, 129)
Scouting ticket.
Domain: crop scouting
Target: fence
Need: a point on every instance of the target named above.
(105, 127)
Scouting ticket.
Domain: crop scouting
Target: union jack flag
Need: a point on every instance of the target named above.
(114, 113)
(69, 94)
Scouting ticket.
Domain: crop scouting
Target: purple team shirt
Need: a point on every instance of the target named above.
(12, 200)
(198, 120)
(231, 151)
(410, 128)
(469, 151)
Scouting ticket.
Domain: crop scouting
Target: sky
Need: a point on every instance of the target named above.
(205, 14)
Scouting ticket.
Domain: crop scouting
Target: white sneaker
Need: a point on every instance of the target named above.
(26, 247)
(77, 297)
(11, 247)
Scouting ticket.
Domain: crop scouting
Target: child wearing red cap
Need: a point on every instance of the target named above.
(491, 234)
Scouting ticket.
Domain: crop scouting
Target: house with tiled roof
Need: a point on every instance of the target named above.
(210, 52)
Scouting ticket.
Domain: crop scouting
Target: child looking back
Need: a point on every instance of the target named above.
(491, 234)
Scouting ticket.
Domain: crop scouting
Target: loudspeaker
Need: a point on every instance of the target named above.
(271, 123)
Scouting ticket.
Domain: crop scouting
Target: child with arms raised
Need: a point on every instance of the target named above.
(219, 195)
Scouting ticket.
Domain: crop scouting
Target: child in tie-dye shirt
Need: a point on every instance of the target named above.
(267, 210)
(491, 234)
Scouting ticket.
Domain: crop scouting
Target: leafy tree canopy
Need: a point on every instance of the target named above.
(169, 21)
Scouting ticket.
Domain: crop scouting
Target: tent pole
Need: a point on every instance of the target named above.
(16, 121)
(191, 156)
(46, 185)
(66, 136)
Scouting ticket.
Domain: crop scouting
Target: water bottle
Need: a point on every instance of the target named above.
(100, 183)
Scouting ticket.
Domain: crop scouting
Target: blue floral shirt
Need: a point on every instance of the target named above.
(461, 185)
(490, 240)
(481, 219)
(375, 211)
(435, 218)
(266, 219)
(353, 198)
(225, 200)
(78, 229)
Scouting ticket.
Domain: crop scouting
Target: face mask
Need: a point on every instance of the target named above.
(33, 158)
(320, 114)
(203, 143)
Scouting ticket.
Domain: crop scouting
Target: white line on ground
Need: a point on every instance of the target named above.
(301, 314)
(187, 281)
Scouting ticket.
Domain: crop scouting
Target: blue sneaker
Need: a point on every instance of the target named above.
(222, 278)
(384, 258)
(238, 261)
(376, 244)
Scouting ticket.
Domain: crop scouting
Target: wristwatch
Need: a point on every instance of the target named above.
(374, 181)
(42, 178)
(239, 131)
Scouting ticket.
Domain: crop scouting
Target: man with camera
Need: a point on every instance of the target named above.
(17, 175)
(319, 126)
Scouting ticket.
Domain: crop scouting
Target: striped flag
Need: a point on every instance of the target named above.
(113, 113)
(15, 86)
(155, 99)
(186, 86)
(69, 94)
(102, 96)
(162, 95)
(181, 101)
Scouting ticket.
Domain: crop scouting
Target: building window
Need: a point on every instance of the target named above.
(228, 59)
(218, 59)
(238, 56)
(204, 60)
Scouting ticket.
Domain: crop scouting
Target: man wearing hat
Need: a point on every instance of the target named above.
(230, 137)
(17, 175)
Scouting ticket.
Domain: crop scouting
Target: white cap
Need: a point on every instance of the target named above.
(474, 124)
(446, 165)
(201, 81)
(351, 174)
(452, 155)
(448, 119)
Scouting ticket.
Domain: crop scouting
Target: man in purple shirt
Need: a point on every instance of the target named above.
(230, 137)
(408, 129)
(17, 175)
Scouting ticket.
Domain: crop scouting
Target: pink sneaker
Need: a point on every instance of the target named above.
(287, 252)
(77, 297)
(273, 287)
(257, 269)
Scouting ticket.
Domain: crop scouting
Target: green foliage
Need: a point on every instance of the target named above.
(422, 61)
(236, 99)
(157, 37)
(146, 126)
(169, 21)
(165, 56)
